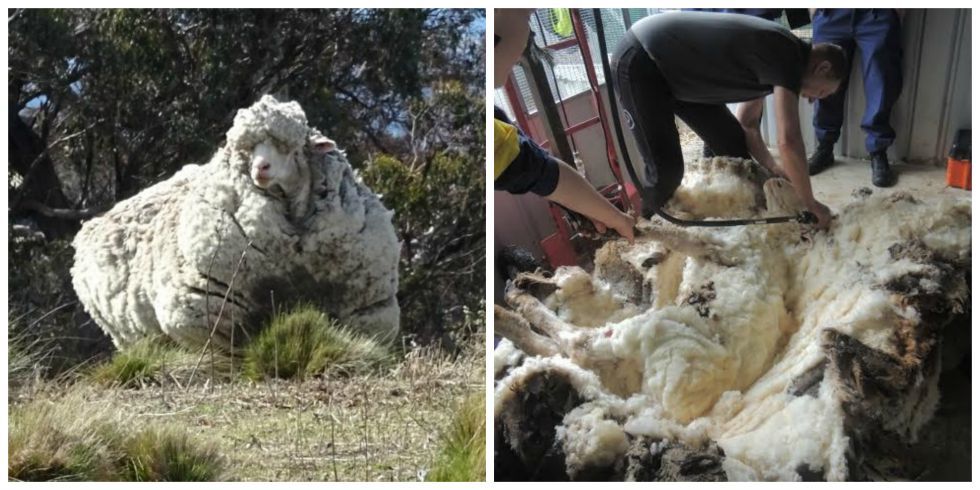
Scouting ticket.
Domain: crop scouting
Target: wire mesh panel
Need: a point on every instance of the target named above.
(524, 86)
(560, 64)
(500, 100)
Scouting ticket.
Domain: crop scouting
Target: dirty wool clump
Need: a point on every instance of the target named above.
(276, 217)
(743, 353)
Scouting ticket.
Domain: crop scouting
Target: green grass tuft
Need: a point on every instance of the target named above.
(305, 342)
(167, 454)
(463, 454)
(140, 364)
(75, 440)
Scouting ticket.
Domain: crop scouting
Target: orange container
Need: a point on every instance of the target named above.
(958, 173)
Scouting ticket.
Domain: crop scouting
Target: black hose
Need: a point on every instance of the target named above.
(645, 193)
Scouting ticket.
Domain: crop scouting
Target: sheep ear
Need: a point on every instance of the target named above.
(322, 144)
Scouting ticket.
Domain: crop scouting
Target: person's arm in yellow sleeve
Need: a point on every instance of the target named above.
(522, 166)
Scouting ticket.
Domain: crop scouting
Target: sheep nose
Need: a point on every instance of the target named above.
(264, 166)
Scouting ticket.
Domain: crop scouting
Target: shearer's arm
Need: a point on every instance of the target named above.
(577, 194)
(792, 153)
(749, 115)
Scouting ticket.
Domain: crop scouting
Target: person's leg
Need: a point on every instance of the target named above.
(878, 36)
(648, 108)
(832, 26)
(717, 126)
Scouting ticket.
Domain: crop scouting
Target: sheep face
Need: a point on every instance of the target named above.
(273, 166)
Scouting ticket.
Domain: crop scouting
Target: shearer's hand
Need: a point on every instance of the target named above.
(622, 223)
(822, 213)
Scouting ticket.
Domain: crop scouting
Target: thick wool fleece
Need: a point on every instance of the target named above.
(723, 352)
(208, 250)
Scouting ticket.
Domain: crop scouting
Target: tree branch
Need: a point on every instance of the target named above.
(65, 214)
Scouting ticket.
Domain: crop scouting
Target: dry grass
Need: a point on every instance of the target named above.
(77, 438)
(372, 426)
(463, 454)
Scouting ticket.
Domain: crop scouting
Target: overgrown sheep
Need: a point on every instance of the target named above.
(275, 218)
(779, 354)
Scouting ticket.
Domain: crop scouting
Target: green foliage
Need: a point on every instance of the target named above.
(141, 363)
(439, 202)
(463, 453)
(74, 440)
(305, 342)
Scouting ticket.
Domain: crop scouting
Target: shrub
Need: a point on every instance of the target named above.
(66, 441)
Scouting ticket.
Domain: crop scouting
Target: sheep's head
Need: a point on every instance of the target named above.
(271, 142)
(268, 119)
(275, 164)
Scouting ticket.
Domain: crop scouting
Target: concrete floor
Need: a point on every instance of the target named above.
(834, 186)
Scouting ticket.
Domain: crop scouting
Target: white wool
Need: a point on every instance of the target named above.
(805, 431)
(584, 381)
(723, 374)
(716, 188)
(505, 355)
(726, 348)
(163, 260)
(589, 438)
(587, 303)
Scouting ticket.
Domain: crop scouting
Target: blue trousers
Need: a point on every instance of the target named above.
(877, 34)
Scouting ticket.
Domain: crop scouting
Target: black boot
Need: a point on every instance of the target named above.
(881, 172)
(821, 159)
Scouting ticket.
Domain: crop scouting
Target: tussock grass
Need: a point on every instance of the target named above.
(77, 440)
(463, 453)
(305, 342)
(149, 361)
(65, 441)
(141, 364)
(168, 454)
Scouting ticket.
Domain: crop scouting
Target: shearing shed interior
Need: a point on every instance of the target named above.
(773, 352)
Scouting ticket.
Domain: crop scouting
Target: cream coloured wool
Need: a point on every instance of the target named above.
(221, 246)
(768, 352)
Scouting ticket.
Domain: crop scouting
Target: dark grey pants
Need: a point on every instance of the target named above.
(649, 107)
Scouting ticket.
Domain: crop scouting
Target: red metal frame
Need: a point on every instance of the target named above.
(580, 35)
(558, 246)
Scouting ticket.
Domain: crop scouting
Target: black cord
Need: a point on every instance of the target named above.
(645, 193)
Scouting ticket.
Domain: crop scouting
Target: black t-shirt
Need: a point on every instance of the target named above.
(715, 58)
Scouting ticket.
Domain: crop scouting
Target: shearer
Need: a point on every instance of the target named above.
(691, 64)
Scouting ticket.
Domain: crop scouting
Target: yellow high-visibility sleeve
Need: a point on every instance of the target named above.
(506, 146)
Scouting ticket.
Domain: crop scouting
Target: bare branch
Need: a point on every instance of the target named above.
(57, 213)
